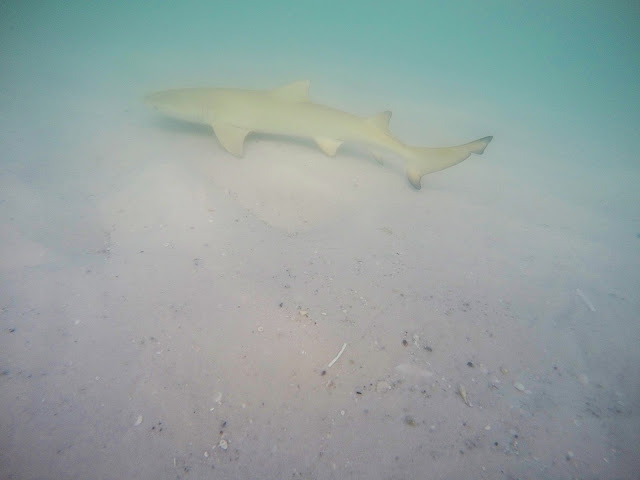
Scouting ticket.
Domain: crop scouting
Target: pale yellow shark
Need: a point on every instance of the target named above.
(288, 111)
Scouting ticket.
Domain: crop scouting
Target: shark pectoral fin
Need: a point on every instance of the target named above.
(230, 137)
(293, 92)
(328, 145)
(429, 160)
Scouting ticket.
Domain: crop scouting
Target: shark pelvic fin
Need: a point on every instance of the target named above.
(293, 92)
(429, 160)
(381, 121)
(230, 137)
(328, 145)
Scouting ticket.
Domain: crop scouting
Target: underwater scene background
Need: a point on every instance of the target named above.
(168, 310)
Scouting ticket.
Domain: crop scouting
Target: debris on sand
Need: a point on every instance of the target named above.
(586, 300)
(344, 345)
(463, 394)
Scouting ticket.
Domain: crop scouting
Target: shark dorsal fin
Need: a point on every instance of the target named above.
(293, 92)
(381, 120)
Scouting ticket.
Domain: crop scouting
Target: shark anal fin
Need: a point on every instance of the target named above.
(328, 145)
(293, 92)
(230, 137)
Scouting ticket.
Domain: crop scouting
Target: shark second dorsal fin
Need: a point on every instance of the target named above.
(381, 121)
(293, 92)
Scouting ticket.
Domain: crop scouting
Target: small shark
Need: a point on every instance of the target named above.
(288, 111)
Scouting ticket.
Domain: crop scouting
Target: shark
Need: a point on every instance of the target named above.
(288, 111)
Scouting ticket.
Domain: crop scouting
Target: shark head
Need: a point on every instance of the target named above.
(181, 104)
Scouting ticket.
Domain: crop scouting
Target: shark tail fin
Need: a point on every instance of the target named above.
(428, 160)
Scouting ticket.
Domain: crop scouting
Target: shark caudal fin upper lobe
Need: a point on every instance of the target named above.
(428, 160)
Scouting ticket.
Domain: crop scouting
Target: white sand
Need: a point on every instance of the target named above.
(158, 296)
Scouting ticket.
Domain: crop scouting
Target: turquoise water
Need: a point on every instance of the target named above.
(145, 275)
(557, 79)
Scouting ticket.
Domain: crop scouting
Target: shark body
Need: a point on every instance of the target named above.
(288, 111)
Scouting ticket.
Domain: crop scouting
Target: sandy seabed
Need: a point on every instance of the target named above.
(169, 311)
